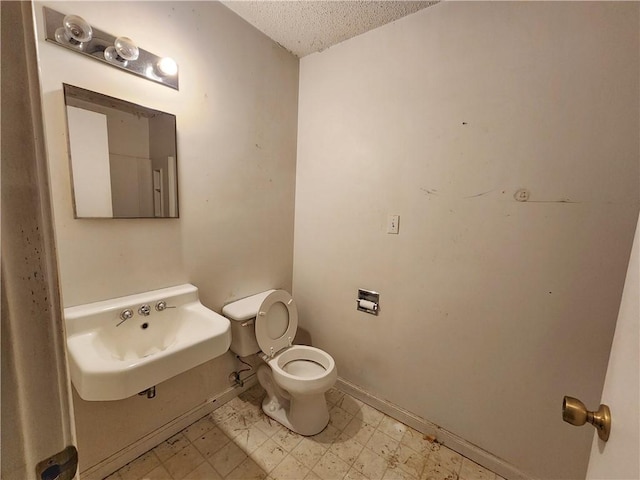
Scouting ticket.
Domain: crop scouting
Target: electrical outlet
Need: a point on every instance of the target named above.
(393, 224)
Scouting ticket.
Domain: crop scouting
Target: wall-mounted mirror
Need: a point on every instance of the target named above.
(123, 157)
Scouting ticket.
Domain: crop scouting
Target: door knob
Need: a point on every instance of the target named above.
(576, 413)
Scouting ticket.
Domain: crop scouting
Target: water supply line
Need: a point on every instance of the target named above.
(234, 377)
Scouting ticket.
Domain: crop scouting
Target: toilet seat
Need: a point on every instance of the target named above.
(276, 323)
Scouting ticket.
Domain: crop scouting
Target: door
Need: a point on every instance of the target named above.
(619, 457)
(37, 430)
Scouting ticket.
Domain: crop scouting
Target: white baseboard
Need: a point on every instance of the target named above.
(451, 440)
(159, 435)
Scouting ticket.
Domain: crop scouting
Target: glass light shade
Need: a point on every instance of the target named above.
(122, 51)
(112, 56)
(75, 30)
(126, 48)
(167, 66)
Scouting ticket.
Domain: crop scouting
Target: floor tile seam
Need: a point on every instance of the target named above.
(456, 472)
(206, 457)
(350, 439)
(252, 421)
(423, 452)
(236, 435)
(316, 462)
(362, 447)
(375, 427)
(240, 431)
(349, 465)
(211, 422)
(387, 435)
(234, 418)
(182, 477)
(389, 461)
(322, 444)
(152, 453)
(424, 466)
(384, 472)
(245, 449)
(240, 464)
(211, 454)
(425, 455)
(217, 419)
(210, 462)
(276, 465)
(189, 442)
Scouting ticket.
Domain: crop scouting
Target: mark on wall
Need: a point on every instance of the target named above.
(480, 194)
(428, 191)
(521, 195)
(562, 200)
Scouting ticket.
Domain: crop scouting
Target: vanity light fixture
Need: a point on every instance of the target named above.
(76, 34)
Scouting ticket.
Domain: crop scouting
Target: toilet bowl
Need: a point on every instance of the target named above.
(295, 377)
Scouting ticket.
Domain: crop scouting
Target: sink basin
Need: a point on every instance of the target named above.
(108, 361)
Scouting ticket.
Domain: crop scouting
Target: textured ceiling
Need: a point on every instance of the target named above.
(307, 26)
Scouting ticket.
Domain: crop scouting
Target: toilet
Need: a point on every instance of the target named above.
(295, 377)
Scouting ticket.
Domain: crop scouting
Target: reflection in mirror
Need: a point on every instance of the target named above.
(123, 157)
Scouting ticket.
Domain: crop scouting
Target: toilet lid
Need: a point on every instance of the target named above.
(276, 322)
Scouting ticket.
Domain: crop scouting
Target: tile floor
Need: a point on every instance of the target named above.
(238, 442)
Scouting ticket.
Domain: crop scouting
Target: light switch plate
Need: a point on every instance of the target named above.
(393, 224)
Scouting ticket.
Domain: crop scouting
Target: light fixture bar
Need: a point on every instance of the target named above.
(146, 65)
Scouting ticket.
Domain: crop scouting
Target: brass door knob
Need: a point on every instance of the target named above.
(576, 413)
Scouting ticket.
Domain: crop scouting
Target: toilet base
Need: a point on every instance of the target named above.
(304, 414)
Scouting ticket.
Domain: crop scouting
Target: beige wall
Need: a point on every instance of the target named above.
(491, 309)
(236, 125)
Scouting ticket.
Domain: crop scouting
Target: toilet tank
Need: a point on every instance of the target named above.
(242, 314)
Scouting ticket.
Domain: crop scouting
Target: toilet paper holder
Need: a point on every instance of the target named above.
(368, 301)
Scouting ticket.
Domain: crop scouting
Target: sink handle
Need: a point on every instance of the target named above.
(124, 316)
(162, 305)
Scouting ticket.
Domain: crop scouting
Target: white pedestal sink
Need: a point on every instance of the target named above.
(111, 358)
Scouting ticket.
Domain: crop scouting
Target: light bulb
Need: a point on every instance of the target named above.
(167, 67)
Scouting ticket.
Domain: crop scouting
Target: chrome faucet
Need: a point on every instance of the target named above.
(144, 310)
